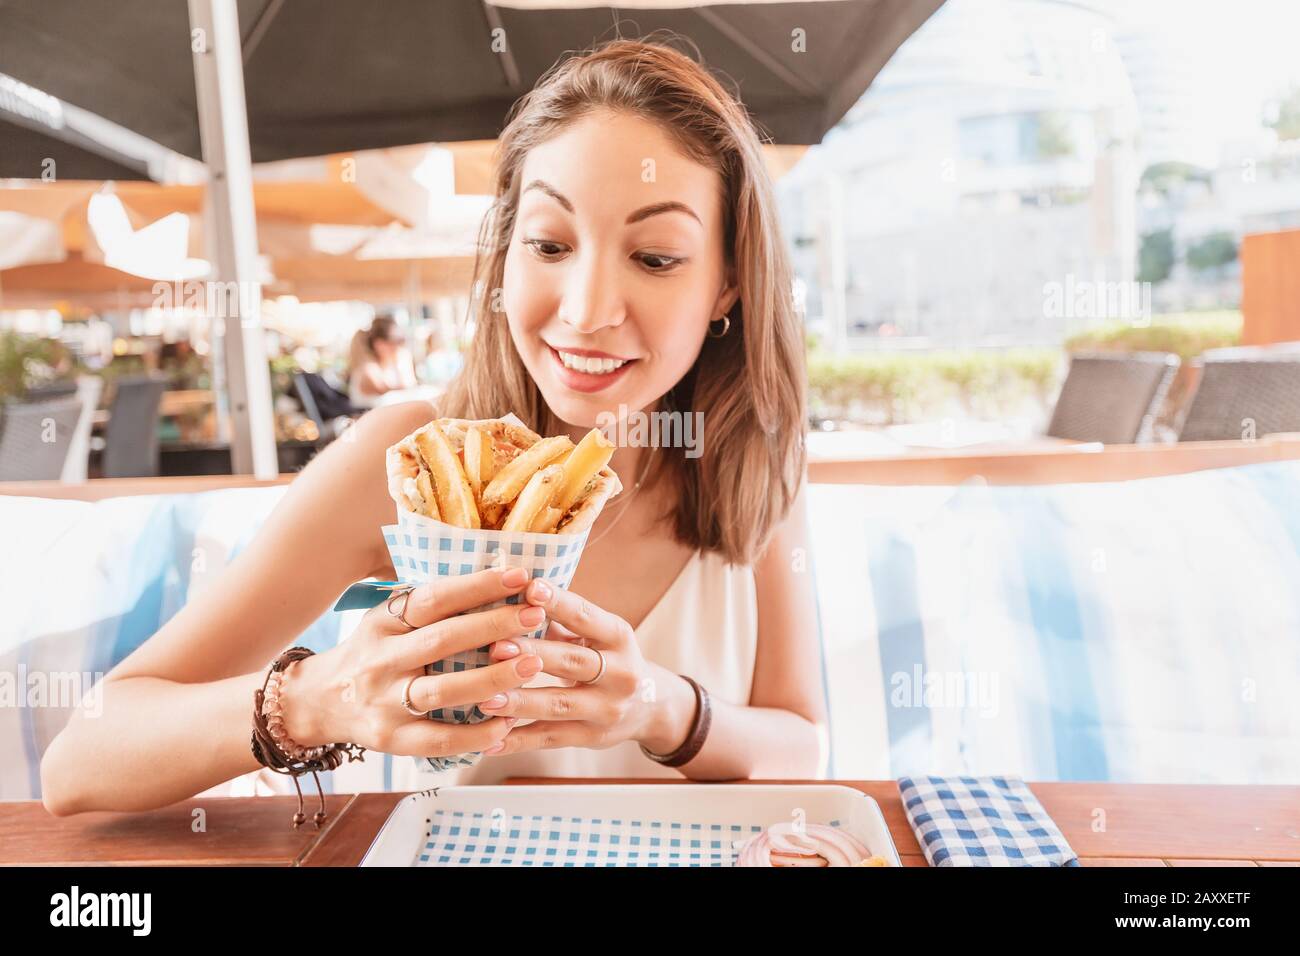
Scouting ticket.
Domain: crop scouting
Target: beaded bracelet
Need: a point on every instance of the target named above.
(277, 751)
(273, 711)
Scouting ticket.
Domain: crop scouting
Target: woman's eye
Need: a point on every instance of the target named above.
(657, 263)
(547, 249)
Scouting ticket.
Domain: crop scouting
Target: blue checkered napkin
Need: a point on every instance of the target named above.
(982, 821)
(422, 549)
(460, 838)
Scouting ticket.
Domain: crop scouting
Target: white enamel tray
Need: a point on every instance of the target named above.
(403, 836)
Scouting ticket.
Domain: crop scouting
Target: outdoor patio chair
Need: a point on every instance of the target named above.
(322, 403)
(131, 438)
(1112, 398)
(44, 393)
(35, 438)
(87, 390)
(1244, 393)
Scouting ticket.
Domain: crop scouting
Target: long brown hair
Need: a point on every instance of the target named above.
(750, 383)
(362, 347)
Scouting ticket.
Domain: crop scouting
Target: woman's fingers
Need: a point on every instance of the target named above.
(463, 688)
(561, 658)
(419, 737)
(548, 734)
(579, 615)
(445, 597)
(555, 631)
(553, 703)
(436, 642)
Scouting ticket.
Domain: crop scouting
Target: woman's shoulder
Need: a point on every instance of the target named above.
(362, 447)
(389, 424)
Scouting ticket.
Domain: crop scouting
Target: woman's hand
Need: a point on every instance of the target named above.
(632, 700)
(353, 692)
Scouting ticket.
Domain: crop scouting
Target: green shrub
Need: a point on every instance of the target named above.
(897, 387)
(27, 361)
(885, 388)
(1186, 335)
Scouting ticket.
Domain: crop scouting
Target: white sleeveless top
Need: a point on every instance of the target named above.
(705, 625)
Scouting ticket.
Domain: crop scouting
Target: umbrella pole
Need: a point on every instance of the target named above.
(234, 294)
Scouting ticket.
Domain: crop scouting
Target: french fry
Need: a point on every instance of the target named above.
(454, 496)
(546, 521)
(428, 495)
(534, 499)
(590, 456)
(480, 459)
(510, 480)
(493, 474)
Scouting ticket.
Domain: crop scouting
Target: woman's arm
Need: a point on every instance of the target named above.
(369, 379)
(176, 715)
(406, 369)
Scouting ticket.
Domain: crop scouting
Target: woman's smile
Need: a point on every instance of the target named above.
(585, 370)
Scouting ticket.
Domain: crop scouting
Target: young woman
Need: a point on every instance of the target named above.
(378, 362)
(634, 221)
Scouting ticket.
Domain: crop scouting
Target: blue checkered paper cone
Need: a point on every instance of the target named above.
(982, 821)
(422, 549)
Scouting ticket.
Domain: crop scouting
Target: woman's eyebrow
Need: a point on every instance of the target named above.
(543, 186)
(645, 212)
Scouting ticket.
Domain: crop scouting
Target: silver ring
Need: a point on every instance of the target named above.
(600, 673)
(406, 699)
(405, 594)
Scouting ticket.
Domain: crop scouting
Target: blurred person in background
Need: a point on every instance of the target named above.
(378, 362)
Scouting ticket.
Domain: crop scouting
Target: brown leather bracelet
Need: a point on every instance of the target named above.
(268, 740)
(699, 730)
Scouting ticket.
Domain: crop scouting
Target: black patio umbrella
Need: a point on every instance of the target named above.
(331, 76)
(42, 138)
(327, 76)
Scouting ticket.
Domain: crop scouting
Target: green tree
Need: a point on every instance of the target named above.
(1156, 256)
(1212, 252)
(1287, 122)
(1163, 177)
(1053, 136)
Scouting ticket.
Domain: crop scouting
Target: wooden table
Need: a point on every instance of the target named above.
(1107, 824)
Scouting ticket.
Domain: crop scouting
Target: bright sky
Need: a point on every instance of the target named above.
(1250, 49)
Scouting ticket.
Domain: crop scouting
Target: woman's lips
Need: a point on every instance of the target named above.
(587, 381)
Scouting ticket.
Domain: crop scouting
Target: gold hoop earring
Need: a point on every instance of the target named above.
(726, 327)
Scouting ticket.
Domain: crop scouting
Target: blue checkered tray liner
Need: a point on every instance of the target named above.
(460, 838)
(422, 549)
(982, 821)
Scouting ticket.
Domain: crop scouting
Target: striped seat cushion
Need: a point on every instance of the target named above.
(1141, 631)
(82, 584)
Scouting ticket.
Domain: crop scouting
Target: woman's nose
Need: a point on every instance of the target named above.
(592, 298)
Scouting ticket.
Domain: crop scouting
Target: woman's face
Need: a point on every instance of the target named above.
(616, 256)
(386, 348)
